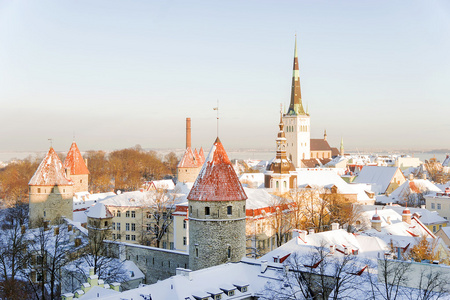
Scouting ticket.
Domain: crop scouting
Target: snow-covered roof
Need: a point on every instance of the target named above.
(206, 282)
(136, 198)
(50, 171)
(323, 178)
(166, 184)
(191, 159)
(217, 180)
(258, 198)
(380, 176)
(99, 211)
(75, 161)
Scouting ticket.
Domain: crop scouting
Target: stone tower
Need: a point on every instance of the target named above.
(216, 213)
(51, 192)
(99, 224)
(77, 170)
(280, 174)
(297, 121)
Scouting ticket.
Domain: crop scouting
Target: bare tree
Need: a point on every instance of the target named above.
(160, 206)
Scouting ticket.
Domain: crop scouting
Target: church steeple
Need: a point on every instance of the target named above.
(296, 106)
(281, 140)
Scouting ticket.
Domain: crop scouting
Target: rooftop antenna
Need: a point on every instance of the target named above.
(217, 109)
(51, 143)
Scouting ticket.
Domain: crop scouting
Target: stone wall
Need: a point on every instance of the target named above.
(188, 174)
(50, 203)
(217, 237)
(155, 263)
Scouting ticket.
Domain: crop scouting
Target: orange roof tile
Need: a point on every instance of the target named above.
(50, 172)
(190, 159)
(75, 161)
(217, 180)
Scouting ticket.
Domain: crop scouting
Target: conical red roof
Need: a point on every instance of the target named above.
(217, 180)
(190, 159)
(75, 161)
(50, 171)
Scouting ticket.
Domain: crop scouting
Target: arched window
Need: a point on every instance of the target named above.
(284, 184)
(277, 185)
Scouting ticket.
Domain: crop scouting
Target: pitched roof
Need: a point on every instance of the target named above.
(380, 176)
(99, 211)
(319, 145)
(50, 172)
(217, 180)
(191, 159)
(75, 161)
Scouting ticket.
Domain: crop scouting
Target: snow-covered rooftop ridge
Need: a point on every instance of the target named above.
(138, 198)
(50, 172)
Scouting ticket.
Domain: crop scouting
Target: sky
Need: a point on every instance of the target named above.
(119, 73)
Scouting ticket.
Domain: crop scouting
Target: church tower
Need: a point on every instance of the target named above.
(51, 192)
(297, 121)
(216, 213)
(280, 175)
(76, 169)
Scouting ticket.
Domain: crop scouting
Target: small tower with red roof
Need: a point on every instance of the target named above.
(216, 213)
(77, 170)
(192, 161)
(51, 192)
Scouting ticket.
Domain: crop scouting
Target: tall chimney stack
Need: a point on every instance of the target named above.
(188, 132)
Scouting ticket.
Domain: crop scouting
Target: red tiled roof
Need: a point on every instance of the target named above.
(75, 161)
(190, 159)
(202, 155)
(50, 172)
(217, 180)
(319, 145)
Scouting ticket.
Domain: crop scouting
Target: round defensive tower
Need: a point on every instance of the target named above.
(216, 213)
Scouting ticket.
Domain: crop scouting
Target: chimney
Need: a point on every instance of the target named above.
(311, 231)
(376, 221)
(69, 227)
(302, 235)
(332, 248)
(264, 265)
(91, 271)
(188, 133)
(411, 176)
(295, 233)
(115, 286)
(56, 231)
(406, 215)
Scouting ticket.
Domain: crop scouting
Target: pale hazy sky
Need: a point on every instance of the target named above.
(120, 73)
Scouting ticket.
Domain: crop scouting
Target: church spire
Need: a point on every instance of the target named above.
(296, 106)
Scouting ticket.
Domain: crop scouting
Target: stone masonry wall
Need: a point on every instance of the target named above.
(155, 263)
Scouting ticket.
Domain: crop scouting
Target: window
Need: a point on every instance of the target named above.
(133, 214)
(432, 205)
(127, 237)
(39, 190)
(118, 213)
(229, 210)
(184, 224)
(190, 209)
(277, 184)
(440, 226)
(81, 180)
(149, 227)
(229, 252)
(438, 206)
(127, 226)
(127, 214)
(114, 236)
(133, 227)
(243, 209)
(113, 226)
(106, 223)
(171, 245)
(434, 228)
(133, 237)
(284, 184)
(207, 210)
(184, 240)
(45, 213)
(119, 236)
(196, 252)
(149, 215)
(165, 245)
(118, 226)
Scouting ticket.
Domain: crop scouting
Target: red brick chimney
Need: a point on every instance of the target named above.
(188, 133)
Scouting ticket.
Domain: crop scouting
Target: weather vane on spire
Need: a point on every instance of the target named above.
(217, 108)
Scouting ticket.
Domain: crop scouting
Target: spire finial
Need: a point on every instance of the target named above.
(51, 143)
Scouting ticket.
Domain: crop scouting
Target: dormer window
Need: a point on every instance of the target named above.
(243, 288)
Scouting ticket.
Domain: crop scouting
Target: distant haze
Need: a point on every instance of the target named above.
(119, 73)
